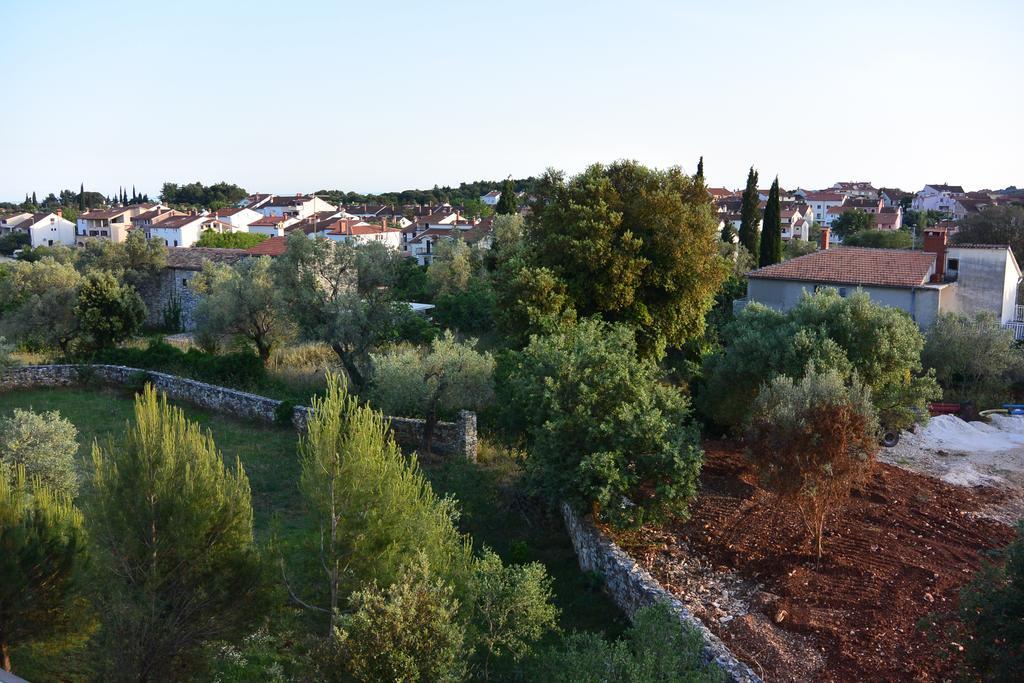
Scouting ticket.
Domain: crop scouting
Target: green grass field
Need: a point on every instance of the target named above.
(493, 510)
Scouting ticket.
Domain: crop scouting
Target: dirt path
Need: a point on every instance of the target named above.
(899, 552)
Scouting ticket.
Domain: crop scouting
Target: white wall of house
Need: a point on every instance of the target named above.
(931, 199)
(182, 236)
(986, 280)
(51, 231)
(240, 220)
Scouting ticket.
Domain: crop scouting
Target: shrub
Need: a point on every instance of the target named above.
(284, 413)
(108, 312)
(974, 358)
(600, 428)
(656, 648)
(6, 349)
(230, 240)
(992, 610)
(409, 631)
(846, 334)
(811, 440)
(45, 444)
(880, 239)
(470, 311)
(511, 607)
(239, 368)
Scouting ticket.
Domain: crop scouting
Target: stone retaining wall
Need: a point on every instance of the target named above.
(632, 587)
(451, 438)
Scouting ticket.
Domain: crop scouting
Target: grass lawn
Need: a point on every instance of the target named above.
(493, 510)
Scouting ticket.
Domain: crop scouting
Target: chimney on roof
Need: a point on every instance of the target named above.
(60, 212)
(825, 233)
(935, 243)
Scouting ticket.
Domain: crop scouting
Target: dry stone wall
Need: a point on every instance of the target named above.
(450, 438)
(632, 587)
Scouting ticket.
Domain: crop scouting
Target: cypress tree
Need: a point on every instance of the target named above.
(771, 234)
(43, 542)
(134, 196)
(172, 527)
(34, 199)
(700, 169)
(507, 202)
(750, 214)
(81, 198)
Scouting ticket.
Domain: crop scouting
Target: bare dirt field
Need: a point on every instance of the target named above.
(896, 555)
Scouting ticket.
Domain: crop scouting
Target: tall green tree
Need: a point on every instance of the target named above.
(771, 233)
(507, 202)
(700, 169)
(750, 215)
(81, 198)
(43, 548)
(45, 444)
(627, 243)
(852, 223)
(376, 511)
(37, 304)
(992, 225)
(172, 526)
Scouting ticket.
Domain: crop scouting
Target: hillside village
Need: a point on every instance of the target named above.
(751, 435)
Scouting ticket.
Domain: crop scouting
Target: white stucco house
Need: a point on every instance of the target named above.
(295, 206)
(491, 198)
(272, 226)
(9, 222)
(821, 202)
(856, 188)
(179, 231)
(48, 229)
(937, 197)
(361, 232)
(938, 279)
(238, 218)
(108, 224)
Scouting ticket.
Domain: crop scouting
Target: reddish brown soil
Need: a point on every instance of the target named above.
(896, 555)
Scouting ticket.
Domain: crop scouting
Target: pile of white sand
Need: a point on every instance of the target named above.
(950, 433)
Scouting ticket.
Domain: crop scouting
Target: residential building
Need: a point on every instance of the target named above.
(9, 222)
(871, 205)
(794, 223)
(821, 202)
(255, 201)
(720, 193)
(273, 226)
(361, 232)
(491, 198)
(893, 196)
(889, 218)
(937, 279)
(296, 206)
(172, 290)
(937, 197)
(179, 231)
(108, 224)
(48, 229)
(856, 188)
(238, 218)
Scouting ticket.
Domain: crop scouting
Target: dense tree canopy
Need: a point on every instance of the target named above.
(881, 239)
(994, 225)
(230, 240)
(627, 243)
(881, 344)
(197, 195)
(601, 429)
(853, 222)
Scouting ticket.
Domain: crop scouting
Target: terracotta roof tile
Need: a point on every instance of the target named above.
(272, 246)
(854, 266)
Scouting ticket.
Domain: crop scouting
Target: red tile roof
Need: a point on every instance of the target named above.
(854, 266)
(272, 246)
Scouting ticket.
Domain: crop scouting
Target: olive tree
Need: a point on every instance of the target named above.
(108, 312)
(602, 430)
(811, 440)
(974, 358)
(38, 302)
(431, 382)
(847, 334)
(45, 444)
(241, 299)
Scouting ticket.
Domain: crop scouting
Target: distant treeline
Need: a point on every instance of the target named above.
(461, 195)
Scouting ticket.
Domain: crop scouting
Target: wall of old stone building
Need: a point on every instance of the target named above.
(450, 438)
(171, 288)
(632, 587)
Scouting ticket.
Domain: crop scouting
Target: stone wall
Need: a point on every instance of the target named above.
(171, 288)
(632, 587)
(451, 438)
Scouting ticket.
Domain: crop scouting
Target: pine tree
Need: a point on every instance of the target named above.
(173, 530)
(81, 198)
(750, 214)
(507, 203)
(700, 169)
(771, 233)
(43, 544)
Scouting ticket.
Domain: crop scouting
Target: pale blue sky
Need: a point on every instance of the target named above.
(374, 96)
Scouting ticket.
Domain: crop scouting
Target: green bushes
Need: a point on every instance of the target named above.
(656, 648)
(239, 368)
(45, 444)
(992, 610)
(602, 431)
(852, 334)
